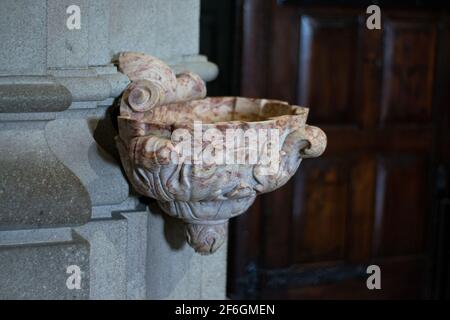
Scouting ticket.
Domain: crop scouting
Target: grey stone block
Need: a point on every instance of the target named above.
(67, 48)
(136, 253)
(198, 64)
(161, 28)
(111, 253)
(175, 271)
(58, 167)
(72, 141)
(92, 84)
(214, 278)
(108, 246)
(10, 120)
(36, 189)
(39, 272)
(87, 88)
(99, 14)
(22, 37)
(34, 98)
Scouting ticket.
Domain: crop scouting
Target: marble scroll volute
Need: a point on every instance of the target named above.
(159, 109)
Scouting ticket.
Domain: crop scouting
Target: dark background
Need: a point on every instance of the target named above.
(379, 194)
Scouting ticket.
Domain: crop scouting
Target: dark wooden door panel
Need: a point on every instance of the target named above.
(277, 217)
(408, 72)
(402, 278)
(321, 202)
(361, 213)
(401, 205)
(328, 50)
(367, 199)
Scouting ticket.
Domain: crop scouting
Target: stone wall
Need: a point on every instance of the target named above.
(63, 197)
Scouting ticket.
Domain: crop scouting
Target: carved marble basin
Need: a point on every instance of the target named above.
(205, 160)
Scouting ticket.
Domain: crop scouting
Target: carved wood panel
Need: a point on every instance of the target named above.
(321, 203)
(368, 198)
(401, 205)
(334, 74)
(408, 70)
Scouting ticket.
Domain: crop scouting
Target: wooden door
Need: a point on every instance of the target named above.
(368, 199)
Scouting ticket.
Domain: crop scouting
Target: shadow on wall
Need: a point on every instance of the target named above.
(105, 130)
(173, 228)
